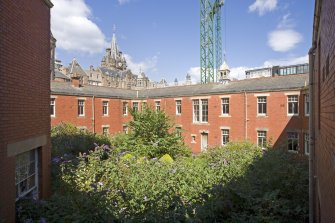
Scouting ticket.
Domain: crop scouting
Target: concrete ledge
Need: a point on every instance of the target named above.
(16, 148)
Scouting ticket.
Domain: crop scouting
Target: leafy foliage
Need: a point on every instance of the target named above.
(68, 139)
(236, 183)
(152, 135)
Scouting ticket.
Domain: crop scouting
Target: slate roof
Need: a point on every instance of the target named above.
(59, 74)
(265, 84)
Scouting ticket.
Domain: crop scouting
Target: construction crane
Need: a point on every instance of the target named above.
(210, 39)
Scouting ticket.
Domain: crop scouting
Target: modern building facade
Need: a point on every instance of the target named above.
(322, 122)
(24, 109)
(278, 71)
(266, 110)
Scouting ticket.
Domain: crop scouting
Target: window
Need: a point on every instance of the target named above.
(178, 107)
(135, 106)
(193, 139)
(261, 105)
(125, 129)
(225, 106)
(225, 136)
(53, 107)
(125, 108)
(306, 140)
(261, 139)
(204, 110)
(105, 108)
(105, 130)
(293, 104)
(196, 111)
(158, 105)
(178, 131)
(307, 104)
(292, 142)
(204, 141)
(144, 104)
(200, 115)
(26, 174)
(81, 107)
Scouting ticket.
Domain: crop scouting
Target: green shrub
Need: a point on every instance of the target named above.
(68, 139)
(151, 134)
(236, 183)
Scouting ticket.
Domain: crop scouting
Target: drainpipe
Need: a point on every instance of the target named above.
(93, 113)
(312, 175)
(245, 115)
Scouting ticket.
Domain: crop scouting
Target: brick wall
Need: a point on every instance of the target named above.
(324, 110)
(24, 90)
(242, 122)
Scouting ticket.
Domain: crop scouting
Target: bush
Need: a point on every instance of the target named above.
(152, 135)
(231, 184)
(68, 139)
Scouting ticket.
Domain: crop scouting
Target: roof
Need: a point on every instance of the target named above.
(59, 74)
(76, 69)
(265, 84)
(113, 72)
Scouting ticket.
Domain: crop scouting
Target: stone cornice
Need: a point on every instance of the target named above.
(48, 3)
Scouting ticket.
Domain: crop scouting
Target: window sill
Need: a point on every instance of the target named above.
(290, 115)
(178, 114)
(53, 116)
(224, 116)
(194, 142)
(292, 151)
(200, 123)
(105, 116)
(307, 115)
(262, 116)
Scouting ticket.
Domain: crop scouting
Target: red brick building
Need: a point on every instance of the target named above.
(25, 99)
(273, 109)
(322, 123)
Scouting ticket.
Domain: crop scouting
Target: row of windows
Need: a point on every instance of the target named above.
(200, 107)
(292, 140)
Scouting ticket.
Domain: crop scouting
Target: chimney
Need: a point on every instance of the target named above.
(75, 81)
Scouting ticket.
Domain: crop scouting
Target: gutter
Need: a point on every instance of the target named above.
(312, 174)
(93, 113)
(245, 115)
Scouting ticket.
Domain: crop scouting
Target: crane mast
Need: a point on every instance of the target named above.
(210, 39)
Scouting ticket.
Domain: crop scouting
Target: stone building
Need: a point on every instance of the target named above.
(277, 71)
(25, 45)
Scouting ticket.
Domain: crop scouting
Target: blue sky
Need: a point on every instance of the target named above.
(161, 37)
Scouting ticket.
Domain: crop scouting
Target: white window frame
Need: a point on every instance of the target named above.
(25, 166)
(178, 131)
(193, 138)
(261, 135)
(125, 129)
(225, 133)
(178, 107)
(226, 105)
(307, 104)
(306, 142)
(125, 108)
(103, 130)
(261, 100)
(292, 139)
(202, 112)
(53, 107)
(135, 103)
(290, 100)
(105, 110)
(81, 112)
(158, 105)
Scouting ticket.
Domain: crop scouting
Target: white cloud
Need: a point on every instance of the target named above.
(284, 40)
(121, 2)
(263, 6)
(148, 65)
(286, 22)
(286, 61)
(73, 29)
(195, 74)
